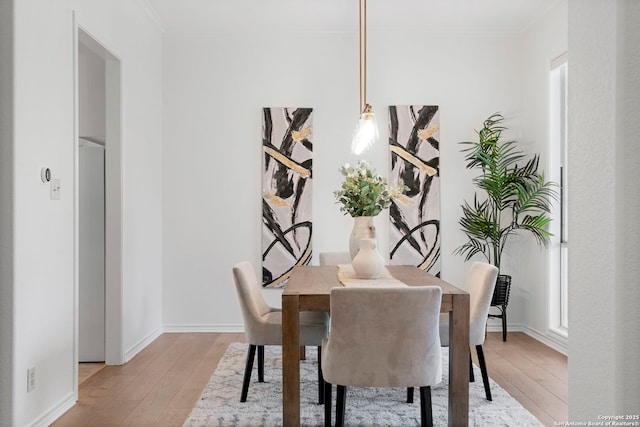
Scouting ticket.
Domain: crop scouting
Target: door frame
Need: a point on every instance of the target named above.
(114, 346)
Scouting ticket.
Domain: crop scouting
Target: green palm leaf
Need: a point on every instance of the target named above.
(517, 196)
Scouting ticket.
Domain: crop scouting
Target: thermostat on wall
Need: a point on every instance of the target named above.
(45, 174)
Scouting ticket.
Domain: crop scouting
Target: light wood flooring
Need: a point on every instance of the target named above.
(160, 386)
(87, 370)
(534, 374)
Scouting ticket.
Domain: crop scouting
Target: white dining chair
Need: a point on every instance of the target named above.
(263, 326)
(383, 337)
(480, 282)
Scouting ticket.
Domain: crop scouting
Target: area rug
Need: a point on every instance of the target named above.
(219, 404)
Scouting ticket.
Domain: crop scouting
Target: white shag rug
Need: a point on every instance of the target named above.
(219, 404)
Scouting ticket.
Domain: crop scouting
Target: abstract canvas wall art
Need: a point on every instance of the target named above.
(414, 142)
(286, 192)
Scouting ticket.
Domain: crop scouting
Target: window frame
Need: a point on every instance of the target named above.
(558, 167)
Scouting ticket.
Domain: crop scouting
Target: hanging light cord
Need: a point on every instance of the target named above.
(365, 54)
(362, 59)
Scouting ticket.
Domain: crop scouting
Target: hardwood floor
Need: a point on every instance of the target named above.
(534, 374)
(160, 386)
(86, 370)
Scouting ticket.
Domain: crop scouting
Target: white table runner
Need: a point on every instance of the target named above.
(347, 277)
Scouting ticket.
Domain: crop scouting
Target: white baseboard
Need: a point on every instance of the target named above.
(55, 412)
(558, 344)
(220, 328)
(549, 340)
(511, 327)
(137, 348)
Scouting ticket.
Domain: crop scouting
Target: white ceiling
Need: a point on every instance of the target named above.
(503, 16)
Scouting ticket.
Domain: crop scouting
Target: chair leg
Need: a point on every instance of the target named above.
(504, 323)
(340, 405)
(483, 369)
(247, 373)
(426, 413)
(409, 394)
(320, 378)
(260, 363)
(471, 377)
(327, 404)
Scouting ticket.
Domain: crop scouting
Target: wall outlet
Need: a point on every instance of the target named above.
(31, 379)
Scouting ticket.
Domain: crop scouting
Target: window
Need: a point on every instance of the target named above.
(559, 253)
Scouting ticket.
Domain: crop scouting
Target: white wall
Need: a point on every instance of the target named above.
(215, 85)
(44, 230)
(628, 205)
(544, 41)
(6, 211)
(604, 375)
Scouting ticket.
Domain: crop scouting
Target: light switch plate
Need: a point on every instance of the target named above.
(55, 189)
(31, 379)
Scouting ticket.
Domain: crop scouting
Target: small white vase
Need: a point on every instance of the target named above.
(362, 229)
(368, 263)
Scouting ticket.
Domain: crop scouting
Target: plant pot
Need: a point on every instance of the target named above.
(500, 300)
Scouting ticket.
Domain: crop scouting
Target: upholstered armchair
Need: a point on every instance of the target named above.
(263, 326)
(481, 279)
(383, 337)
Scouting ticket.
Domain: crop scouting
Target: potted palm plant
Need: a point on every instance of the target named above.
(516, 198)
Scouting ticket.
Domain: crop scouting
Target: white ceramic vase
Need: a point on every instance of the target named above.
(362, 229)
(368, 263)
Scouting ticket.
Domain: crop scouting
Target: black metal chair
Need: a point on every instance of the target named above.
(500, 300)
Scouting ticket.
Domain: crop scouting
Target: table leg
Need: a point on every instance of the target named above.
(459, 361)
(291, 360)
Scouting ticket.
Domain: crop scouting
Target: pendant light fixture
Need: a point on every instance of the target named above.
(366, 131)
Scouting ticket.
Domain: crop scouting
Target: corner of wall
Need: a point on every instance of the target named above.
(152, 15)
(627, 316)
(592, 145)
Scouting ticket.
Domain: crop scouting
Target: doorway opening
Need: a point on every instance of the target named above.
(91, 212)
(98, 204)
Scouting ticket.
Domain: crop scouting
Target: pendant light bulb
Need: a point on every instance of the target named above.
(365, 133)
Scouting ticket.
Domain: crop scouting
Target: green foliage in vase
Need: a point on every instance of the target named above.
(516, 196)
(364, 192)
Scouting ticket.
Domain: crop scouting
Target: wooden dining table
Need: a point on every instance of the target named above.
(309, 289)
